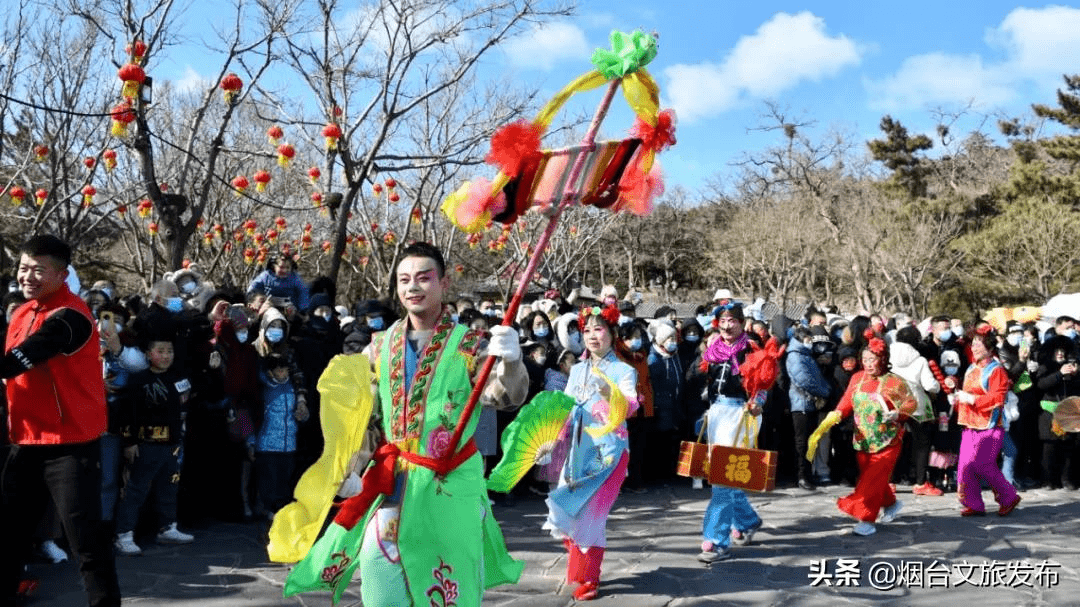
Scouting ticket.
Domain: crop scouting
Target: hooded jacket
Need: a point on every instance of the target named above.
(805, 379)
(913, 368)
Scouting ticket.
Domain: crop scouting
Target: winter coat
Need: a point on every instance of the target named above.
(805, 381)
(913, 368)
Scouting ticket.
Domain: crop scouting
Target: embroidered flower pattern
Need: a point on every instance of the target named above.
(438, 444)
(444, 592)
(333, 573)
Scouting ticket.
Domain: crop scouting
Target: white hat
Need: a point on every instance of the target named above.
(721, 294)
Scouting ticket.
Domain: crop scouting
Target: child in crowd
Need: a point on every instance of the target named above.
(153, 430)
(273, 447)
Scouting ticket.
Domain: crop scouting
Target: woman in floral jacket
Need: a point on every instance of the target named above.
(880, 401)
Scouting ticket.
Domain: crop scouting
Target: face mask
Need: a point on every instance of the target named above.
(108, 293)
(575, 344)
(671, 347)
(951, 369)
(633, 344)
(623, 320)
(376, 323)
(188, 287)
(692, 337)
(540, 360)
(945, 335)
(489, 312)
(274, 335)
(704, 320)
(454, 317)
(174, 305)
(541, 332)
(119, 327)
(1071, 333)
(1013, 339)
(1032, 366)
(242, 336)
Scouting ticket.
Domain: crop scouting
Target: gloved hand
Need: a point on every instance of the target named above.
(504, 344)
(965, 397)
(826, 424)
(350, 486)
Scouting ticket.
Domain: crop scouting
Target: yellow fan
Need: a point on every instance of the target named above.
(617, 407)
(535, 428)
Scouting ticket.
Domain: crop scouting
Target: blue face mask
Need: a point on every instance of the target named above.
(541, 332)
(704, 320)
(574, 343)
(376, 323)
(174, 305)
(634, 344)
(274, 334)
(1070, 333)
(241, 336)
(671, 346)
(692, 337)
(945, 335)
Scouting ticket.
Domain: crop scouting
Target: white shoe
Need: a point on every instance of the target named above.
(126, 546)
(172, 535)
(864, 528)
(889, 514)
(53, 552)
(699, 484)
(712, 556)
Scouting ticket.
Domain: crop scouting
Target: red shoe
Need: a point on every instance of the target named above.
(1005, 510)
(28, 586)
(927, 489)
(972, 512)
(586, 592)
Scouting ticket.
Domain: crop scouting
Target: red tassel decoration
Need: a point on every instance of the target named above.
(656, 138)
(512, 144)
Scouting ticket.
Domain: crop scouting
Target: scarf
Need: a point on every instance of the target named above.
(720, 352)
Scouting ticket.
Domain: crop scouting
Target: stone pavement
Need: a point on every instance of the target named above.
(1031, 557)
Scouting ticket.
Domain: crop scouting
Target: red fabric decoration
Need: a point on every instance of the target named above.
(656, 138)
(761, 367)
(638, 190)
(610, 314)
(512, 145)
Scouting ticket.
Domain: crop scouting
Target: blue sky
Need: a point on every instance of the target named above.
(842, 65)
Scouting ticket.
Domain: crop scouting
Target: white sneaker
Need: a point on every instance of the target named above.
(889, 514)
(712, 556)
(699, 484)
(864, 528)
(53, 552)
(126, 546)
(172, 535)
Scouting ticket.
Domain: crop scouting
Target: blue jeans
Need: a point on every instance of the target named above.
(728, 509)
(110, 475)
(1008, 459)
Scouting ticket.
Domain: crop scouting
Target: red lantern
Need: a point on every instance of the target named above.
(280, 223)
(219, 230)
(307, 227)
(237, 235)
(374, 227)
(274, 133)
(332, 133)
(208, 238)
(250, 226)
(272, 236)
(316, 199)
(227, 247)
(285, 153)
(286, 249)
(361, 241)
(109, 156)
(231, 85)
(137, 51)
(305, 242)
(41, 152)
(249, 256)
(377, 189)
(40, 196)
(17, 194)
(337, 111)
(199, 223)
(164, 187)
(89, 162)
(88, 193)
(122, 115)
(121, 210)
(393, 197)
(391, 183)
(459, 269)
(145, 207)
(326, 246)
(314, 174)
(416, 216)
(389, 237)
(240, 184)
(153, 228)
(133, 77)
(261, 179)
(258, 239)
(473, 240)
(364, 260)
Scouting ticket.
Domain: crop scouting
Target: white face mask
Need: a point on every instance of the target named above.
(188, 287)
(1013, 339)
(541, 332)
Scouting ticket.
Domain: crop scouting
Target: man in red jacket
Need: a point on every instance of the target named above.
(56, 413)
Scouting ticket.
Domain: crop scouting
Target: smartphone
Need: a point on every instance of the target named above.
(106, 316)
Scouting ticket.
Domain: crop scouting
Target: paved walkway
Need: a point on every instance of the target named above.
(1029, 558)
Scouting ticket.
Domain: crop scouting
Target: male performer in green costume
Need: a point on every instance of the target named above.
(427, 538)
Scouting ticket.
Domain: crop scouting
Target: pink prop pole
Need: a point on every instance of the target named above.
(534, 261)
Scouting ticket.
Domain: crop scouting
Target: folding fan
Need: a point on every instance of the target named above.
(536, 426)
(1067, 414)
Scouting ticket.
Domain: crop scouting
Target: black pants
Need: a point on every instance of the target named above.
(274, 479)
(803, 424)
(922, 435)
(71, 475)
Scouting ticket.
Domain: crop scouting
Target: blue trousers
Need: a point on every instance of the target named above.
(728, 509)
